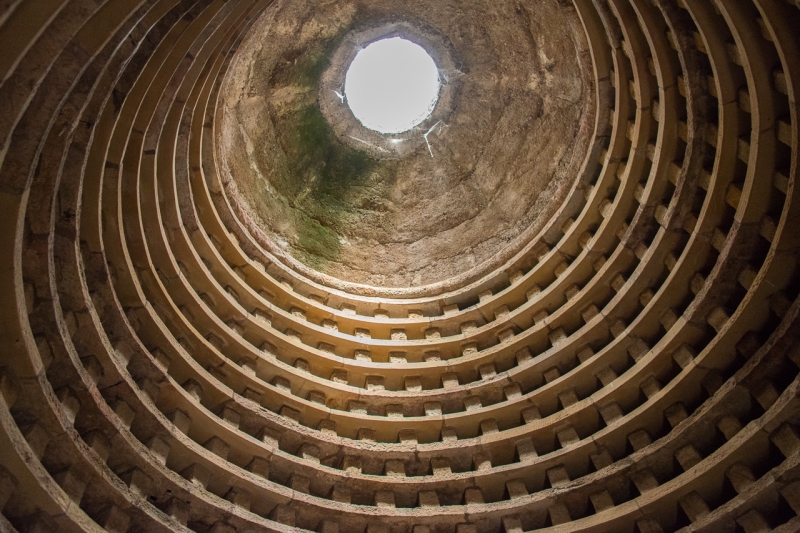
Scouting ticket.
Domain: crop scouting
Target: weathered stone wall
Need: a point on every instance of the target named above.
(502, 157)
(623, 358)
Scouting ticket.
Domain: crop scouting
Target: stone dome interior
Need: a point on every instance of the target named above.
(567, 300)
(492, 170)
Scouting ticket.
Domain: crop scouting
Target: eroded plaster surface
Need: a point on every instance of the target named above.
(491, 171)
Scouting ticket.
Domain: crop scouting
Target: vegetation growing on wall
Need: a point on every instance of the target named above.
(325, 181)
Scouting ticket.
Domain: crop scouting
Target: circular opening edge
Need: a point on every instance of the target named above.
(349, 130)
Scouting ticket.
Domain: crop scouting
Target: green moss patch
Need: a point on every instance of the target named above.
(325, 181)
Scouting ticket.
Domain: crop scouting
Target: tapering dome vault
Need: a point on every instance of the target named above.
(417, 211)
(563, 296)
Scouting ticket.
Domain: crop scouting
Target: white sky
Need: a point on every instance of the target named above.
(392, 85)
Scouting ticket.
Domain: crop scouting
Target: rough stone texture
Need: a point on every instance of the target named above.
(634, 367)
(503, 159)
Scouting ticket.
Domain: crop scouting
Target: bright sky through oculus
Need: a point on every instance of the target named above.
(392, 85)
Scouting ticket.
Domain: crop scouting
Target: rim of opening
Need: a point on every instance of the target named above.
(350, 131)
(392, 85)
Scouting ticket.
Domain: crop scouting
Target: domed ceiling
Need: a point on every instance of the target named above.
(498, 161)
(568, 300)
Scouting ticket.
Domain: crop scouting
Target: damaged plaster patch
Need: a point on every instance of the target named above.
(251, 158)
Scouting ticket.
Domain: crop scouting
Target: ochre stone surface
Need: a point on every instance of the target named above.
(503, 160)
(220, 314)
